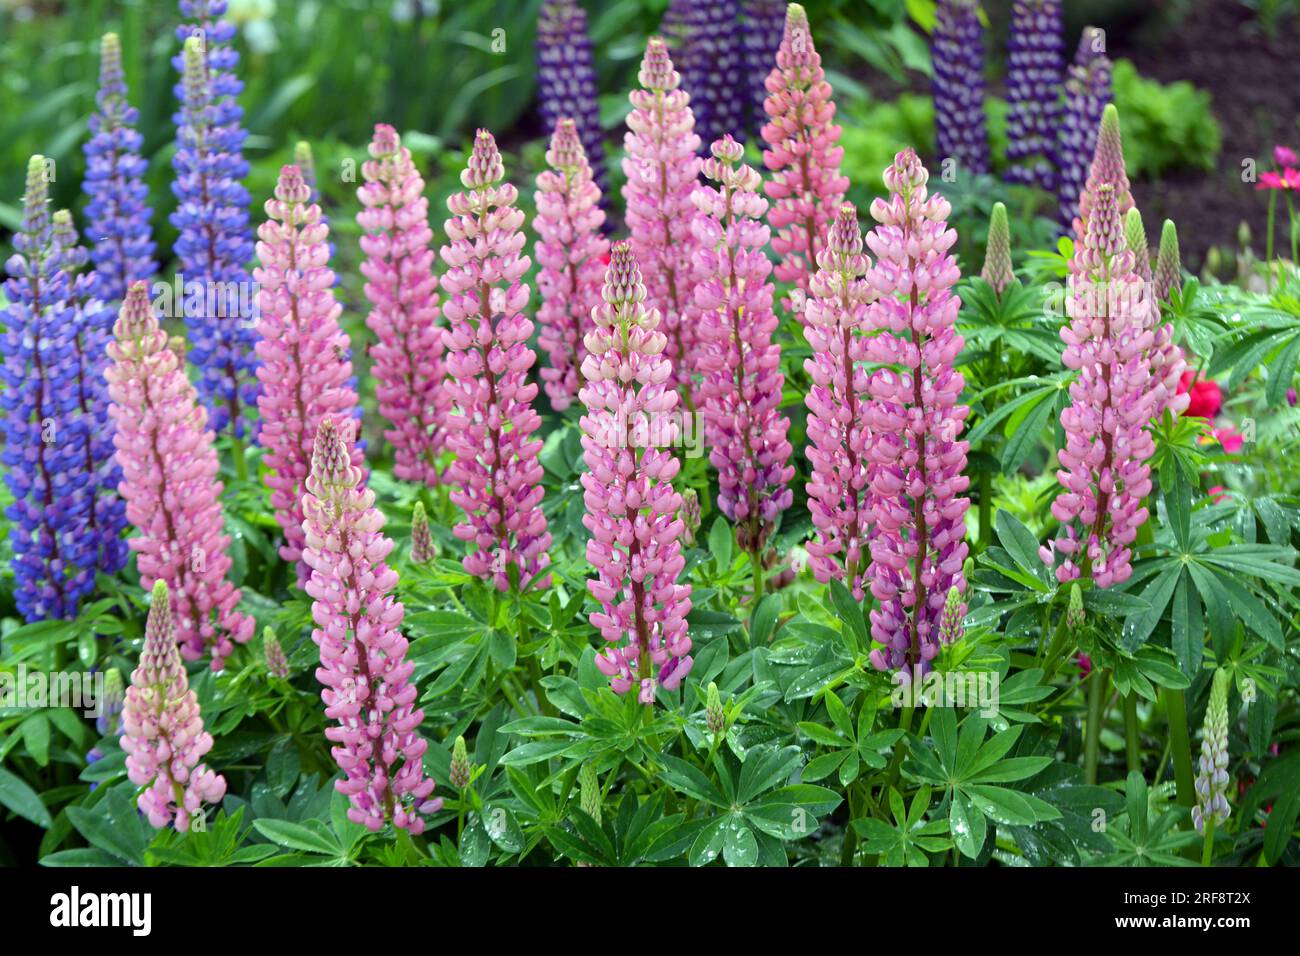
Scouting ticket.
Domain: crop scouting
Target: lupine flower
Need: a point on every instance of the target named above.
(162, 729)
(1104, 464)
(363, 662)
(303, 373)
(110, 713)
(423, 549)
(407, 361)
(916, 454)
(1087, 93)
(805, 186)
(690, 515)
(1169, 273)
(169, 480)
(1107, 167)
(118, 207)
(715, 718)
(461, 768)
(1135, 237)
(662, 169)
(997, 271)
(496, 476)
(1035, 52)
(215, 242)
(837, 406)
(740, 395)
(706, 40)
(957, 48)
(952, 626)
(570, 248)
(1075, 615)
(761, 31)
(633, 513)
(277, 665)
(1212, 776)
(566, 79)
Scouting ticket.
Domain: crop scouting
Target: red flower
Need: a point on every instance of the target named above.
(1284, 156)
(1231, 439)
(1288, 180)
(1218, 493)
(1206, 397)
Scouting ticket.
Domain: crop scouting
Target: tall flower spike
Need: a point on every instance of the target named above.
(1212, 776)
(805, 187)
(633, 513)
(1135, 237)
(570, 249)
(761, 31)
(566, 79)
(706, 39)
(1104, 465)
(1107, 167)
(215, 242)
(407, 361)
(363, 665)
(118, 209)
(837, 406)
(1168, 274)
(423, 549)
(997, 270)
(304, 372)
(1035, 54)
(496, 476)
(1087, 93)
(662, 170)
(740, 395)
(169, 481)
(917, 456)
(957, 46)
(162, 729)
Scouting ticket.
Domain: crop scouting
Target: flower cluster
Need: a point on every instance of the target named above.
(998, 271)
(363, 664)
(917, 457)
(571, 250)
(423, 550)
(741, 391)
(170, 483)
(566, 78)
(496, 475)
(1035, 53)
(762, 26)
(1107, 167)
(1168, 276)
(277, 665)
(1212, 776)
(1286, 178)
(1135, 237)
(1087, 93)
(957, 49)
(633, 513)
(706, 39)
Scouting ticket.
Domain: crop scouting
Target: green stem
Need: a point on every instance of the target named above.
(756, 562)
(1132, 739)
(850, 846)
(986, 509)
(1207, 852)
(237, 453)
(1268, 242)
(1290, 215)
(900, 751)
(1100, 681)
(1180, 745)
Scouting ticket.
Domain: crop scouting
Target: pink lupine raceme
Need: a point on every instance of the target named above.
(304, 370)
(407, 361)
(570, 248)
(162, 729)
(917, 457)
(662, 169)
(169, 481)
(632, 509)
(363, 663)
(835, 320)
(1107, 167)
(496, 475)
(741, 391)
(806, 186)
(1104, 464)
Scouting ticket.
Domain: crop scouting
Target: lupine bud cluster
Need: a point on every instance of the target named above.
(761, 31)
(917, 457)
(423, 549)
(109, 720)
(662, 169)
(496, 476)
(834, 326)
(407, 359)
(461, 768)
(997, 271)
(690, 515)
(570, 249)
(741, 391)
(957, 49)
(633, 513)
(805, 185)
(952, 627)
(1107, 167)
(706, 40)
(1135, 237)
(1168, 275)
(363, 664)
(1087, 93)
(170, 483)
(1035, 53)
(1212, 776)
(715, 718)
(566, 79)
(118, 207)
(162, 729)
(277, 665)
(1075, 616)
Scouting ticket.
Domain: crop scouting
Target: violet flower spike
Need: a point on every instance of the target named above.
(957, 48)
(1087, 93)
(705, 36)
(763, 24)
(1035, 65)
(566, 80)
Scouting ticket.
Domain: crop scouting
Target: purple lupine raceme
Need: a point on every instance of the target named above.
(1035, 67)
(705, 36)
(633, 513)
(957, 49)
(805, 185)
(662, 171)
(162, 729)
(118, 207)
(916, 453)
(571, 250)
(1087, 93)
(762, 26)
(303, 370)
(407, 360)
(169, 480)
(740, 394)
(566, 79)
(837, 400)
(496, 476)
(363, 666)
(1212, 778)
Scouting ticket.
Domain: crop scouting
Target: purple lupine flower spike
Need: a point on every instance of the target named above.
(118, 209)
(706, 40)
(1087, 91)
(958, 53)
(1035, 53)
(215, 243)
(1212, 769)
(566, 80)
(762, 29)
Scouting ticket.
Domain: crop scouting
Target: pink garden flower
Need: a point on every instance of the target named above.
(1284, 156)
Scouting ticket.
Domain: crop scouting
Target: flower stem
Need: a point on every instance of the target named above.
(237, 453)
(1132, 737)
(1096, 714)
(1207, 852)
(1180, 744)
